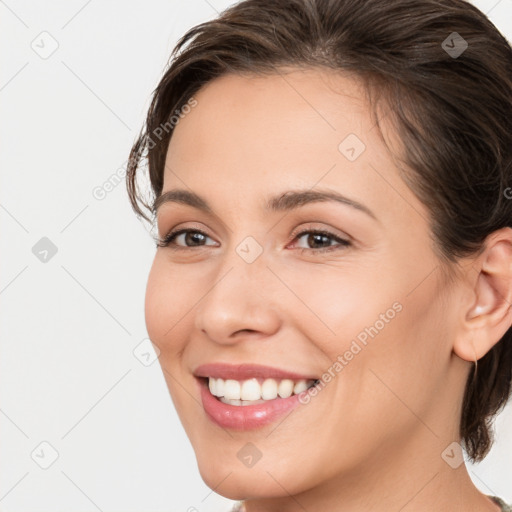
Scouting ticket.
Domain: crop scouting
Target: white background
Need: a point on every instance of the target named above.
(69, 326)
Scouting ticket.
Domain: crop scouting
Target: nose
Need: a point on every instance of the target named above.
(240, 303)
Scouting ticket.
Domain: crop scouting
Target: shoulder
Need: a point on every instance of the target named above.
(502, 504)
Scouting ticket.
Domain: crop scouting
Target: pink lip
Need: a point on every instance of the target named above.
(246, 371)
(245, 417)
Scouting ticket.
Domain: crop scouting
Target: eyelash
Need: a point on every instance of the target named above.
(169, 238)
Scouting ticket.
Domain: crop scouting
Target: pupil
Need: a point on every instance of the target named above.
(318, 238)
(190, 237)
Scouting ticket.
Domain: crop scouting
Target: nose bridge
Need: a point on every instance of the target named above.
(239, 296)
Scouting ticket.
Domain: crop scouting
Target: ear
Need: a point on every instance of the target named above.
(489, 315)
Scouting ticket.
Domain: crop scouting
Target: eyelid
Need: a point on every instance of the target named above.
(175, 231)
(314, 226)
(186, 225)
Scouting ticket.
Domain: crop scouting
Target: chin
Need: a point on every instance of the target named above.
(242, 485)
(231, 479)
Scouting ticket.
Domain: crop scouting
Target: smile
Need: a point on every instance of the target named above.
(245, 397)
(253, 391)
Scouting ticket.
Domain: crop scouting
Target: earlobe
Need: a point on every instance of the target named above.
(490, 315)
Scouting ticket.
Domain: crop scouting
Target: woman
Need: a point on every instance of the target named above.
(331, 289)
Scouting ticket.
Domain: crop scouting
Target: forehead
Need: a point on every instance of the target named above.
(289, 110)
(298, 128)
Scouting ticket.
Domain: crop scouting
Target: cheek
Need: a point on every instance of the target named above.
(167, 324)
(400, 374)
(391, 342)
(338, 303)
(166, 306)
(153, 306)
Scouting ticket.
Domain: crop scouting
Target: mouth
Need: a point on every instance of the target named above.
(255, 390)
(244, 397)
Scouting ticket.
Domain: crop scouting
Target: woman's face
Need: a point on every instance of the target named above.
(368, 316)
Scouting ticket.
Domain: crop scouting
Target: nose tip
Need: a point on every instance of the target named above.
(235, 309)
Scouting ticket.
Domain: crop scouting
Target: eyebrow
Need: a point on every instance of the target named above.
(285, 201)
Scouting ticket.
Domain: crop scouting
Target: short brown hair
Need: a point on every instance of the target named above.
(452, 110)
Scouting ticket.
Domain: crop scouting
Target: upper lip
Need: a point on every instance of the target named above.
(245, 371)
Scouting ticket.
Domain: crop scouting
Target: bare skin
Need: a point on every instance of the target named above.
(373, 438)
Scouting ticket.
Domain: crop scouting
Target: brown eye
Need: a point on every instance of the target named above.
(188, 238)
(320, 241)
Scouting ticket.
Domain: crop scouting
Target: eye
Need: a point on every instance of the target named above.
(190, 238)
(320, 238)
(194, 237)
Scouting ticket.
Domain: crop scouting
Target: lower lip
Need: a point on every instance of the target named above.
(245, 417)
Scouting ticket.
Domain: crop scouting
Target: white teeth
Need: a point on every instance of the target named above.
(250, 391)
(240, 402)
(269, 389)
(219, 387)
(232, 389)
(300, 387)
(231, 402)
(285, 388)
